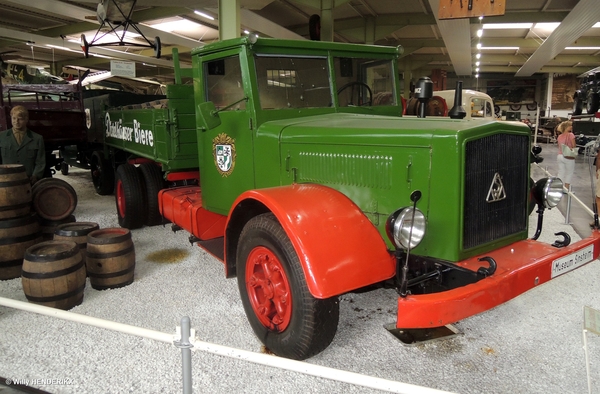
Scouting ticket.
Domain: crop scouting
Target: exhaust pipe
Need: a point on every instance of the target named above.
(457, 111)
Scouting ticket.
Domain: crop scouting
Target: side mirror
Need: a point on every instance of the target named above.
(209, 115)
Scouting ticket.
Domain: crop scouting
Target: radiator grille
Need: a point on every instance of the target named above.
(506, 155)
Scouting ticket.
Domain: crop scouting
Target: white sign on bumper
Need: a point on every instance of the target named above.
(571, 261)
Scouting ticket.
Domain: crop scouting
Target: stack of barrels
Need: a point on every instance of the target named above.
(53, 272)
(51, 252)
(19, 227)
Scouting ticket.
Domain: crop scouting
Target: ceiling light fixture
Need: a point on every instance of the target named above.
(584, 48)
(202, 14)
(500, 48)
(527, 25)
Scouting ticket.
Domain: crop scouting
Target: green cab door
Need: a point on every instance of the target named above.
(226, 146)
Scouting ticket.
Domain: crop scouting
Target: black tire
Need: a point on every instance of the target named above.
(157, 47)
(307, 325)
(64, 168)
(531, 203)
(103, 175)
(154, 182)
(515, 107)
(130, 197)
(577, 104)
(593, 102)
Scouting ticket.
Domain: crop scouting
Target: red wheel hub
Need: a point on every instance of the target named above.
(268, 289)
(120, 194)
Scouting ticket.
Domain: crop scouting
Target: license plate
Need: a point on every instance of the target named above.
(571, 261)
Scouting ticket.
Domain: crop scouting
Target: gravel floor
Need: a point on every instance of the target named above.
(532, 344)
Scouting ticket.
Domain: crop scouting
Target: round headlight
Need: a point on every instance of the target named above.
(406, 227)
(548, 192)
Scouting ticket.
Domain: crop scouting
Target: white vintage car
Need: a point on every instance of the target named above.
(476, 104)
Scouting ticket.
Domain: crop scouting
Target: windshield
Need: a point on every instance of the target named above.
(481, 108)
(303, 82)
(364, 81)
(293, 82)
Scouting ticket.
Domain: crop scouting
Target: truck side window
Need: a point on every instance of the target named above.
(363, 81)
(224, 82)
(481, 108)
(293, 82)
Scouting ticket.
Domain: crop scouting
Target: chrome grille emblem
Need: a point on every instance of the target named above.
(496, 192)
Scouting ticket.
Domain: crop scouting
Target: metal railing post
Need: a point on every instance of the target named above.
(568, 205)
(186, 354)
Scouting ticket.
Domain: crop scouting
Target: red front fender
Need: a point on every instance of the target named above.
(339, 248)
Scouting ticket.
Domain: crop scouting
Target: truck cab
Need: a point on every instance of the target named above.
(312, 184)
(477, 105)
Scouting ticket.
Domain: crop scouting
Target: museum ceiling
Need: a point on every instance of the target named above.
(528, 39)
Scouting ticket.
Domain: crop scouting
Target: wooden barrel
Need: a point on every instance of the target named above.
(76, 232)
(53, 199)
(53, 274)
(412, 107)
(15, 191)
(49, 226)
(16, 235)
(110, 258)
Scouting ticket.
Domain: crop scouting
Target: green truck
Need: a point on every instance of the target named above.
(291, 162)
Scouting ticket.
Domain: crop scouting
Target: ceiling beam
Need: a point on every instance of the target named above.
(457, 37)
(583, 16)
(257, 23)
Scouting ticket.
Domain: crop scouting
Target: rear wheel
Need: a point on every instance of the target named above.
(152, 177)
(129, 196)
(282, 312)
(593, 102)
(103, 175)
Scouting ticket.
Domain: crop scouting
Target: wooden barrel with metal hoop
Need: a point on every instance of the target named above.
(76, 232)
(49, 226)
(53, 274)
(15, 191)
(53, 199)
(110, 258)
(412, 106)
(16, 235)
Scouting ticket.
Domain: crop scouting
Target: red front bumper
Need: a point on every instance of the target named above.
(521, 266)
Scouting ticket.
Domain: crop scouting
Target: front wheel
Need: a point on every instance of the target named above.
(577, 105)
(593, 102)
(283, 314)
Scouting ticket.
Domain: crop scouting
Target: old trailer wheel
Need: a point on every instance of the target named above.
(282, 312)
(103, 175)
(129, 196)
(593, 102)
(153, 179)
(64, 168)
